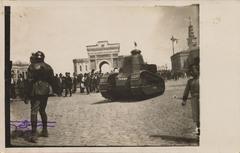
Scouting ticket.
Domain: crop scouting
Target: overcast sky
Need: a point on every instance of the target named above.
(63, 33)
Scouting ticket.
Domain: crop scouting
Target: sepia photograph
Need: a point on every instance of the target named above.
(102, 76)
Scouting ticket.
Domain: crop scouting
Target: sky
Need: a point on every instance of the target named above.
(63, 33)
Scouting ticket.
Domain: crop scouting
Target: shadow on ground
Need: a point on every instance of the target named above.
(178, 139)
(123, 100)
(26, 134)
(118, 101)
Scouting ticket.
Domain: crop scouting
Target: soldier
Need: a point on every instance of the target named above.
(40, 77)
(60, 84)
(20, 85)
(74, 82)
(193, 87)
(87, 82)
(12, 87)
(82, 79)
(68, 82)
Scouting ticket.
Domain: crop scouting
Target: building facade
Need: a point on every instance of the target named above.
(81, 65)
(99, 55)
(181, 60)
(19, 68)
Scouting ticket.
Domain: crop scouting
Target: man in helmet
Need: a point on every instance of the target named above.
(40, 77)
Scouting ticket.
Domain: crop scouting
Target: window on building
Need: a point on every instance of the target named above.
(86, 67)
(80, 68)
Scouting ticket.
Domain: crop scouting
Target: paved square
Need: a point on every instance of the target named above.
(90, 120)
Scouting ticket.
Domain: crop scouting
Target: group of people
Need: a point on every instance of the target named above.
(87, 82)
(63, 85)
(17, 87)
(170, 75)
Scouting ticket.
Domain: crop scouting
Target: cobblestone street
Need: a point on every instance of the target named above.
(90, 120)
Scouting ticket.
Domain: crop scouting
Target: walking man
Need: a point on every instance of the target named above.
(40, 77)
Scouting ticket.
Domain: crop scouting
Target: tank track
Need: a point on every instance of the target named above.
(106, 86)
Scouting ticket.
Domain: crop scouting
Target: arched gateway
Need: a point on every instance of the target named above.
(104, 66)
(102, 56)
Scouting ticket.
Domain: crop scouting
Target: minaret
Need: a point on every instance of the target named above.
(192, 40)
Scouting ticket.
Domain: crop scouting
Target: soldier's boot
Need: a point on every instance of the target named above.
(44, 132)
(33, 137)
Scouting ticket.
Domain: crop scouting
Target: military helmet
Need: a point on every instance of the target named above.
(32, 58)
(39, 55)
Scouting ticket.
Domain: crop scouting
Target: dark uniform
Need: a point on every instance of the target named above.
(74, 83)
(40, 77)
(68, 82)
(193, 88)
(12, 88)
(20, 85)
(60, 84)
(87, 82)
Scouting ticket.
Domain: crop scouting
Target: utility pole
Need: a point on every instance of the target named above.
(173, 40)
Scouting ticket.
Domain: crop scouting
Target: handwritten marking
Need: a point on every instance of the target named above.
(24, 124)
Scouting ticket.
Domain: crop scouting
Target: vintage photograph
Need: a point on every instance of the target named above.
(103, 76)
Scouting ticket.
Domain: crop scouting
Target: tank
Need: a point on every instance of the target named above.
(135, 80)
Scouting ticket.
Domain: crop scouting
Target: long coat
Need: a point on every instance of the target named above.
(193, 87)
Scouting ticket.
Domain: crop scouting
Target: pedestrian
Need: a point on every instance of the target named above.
(87, 82)
(82, 82)
(64, 85)
(193, 87)
(20, 86)
(97, 81)
(68, 82)
(40, 77)
(74, 82)
(55, 87)
(60, 79)
(12, 87)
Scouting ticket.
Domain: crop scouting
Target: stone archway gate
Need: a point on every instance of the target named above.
(103, 52)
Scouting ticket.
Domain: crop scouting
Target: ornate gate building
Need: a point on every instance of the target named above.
(99, 55)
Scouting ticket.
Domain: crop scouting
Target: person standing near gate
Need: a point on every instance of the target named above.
(40, 77)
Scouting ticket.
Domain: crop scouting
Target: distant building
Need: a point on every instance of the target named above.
(81, 65)
(19, 68)
(99, 55)
(181, 60)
